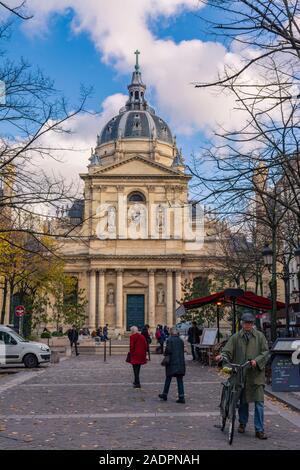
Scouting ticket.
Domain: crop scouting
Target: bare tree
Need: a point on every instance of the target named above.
(31, 111)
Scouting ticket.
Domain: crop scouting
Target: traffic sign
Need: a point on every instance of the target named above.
(20, 311)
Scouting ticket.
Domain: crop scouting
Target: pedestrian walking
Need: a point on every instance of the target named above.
(105, 332)
(137, 354)
(161, 337)
(146, 334)
(249, 344)
(194, 335)
(175, 365)
(73, 338)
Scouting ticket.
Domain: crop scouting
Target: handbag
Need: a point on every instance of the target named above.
(128, 358)
(166, 361)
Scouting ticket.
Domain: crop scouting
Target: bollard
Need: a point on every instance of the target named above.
(54, 359)
(104, 351)
(110, 346)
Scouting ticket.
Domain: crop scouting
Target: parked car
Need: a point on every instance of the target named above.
(14, 349)
(183, 327)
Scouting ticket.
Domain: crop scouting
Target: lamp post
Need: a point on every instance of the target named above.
(218, 319)
(270, 263)
(233, 294)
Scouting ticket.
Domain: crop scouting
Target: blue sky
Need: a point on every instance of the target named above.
(67, 45)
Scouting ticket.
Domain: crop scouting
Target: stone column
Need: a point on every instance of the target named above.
(119, 302)
(177, 287)
(101, 297)
(151, 299)
(92, 300)
(170, 314)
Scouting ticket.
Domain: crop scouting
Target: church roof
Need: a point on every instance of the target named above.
(137, 119)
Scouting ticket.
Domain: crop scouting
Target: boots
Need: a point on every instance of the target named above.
(162, 396)
(180, 400)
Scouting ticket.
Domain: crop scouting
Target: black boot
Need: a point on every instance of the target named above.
(180, 400)
(163, 396)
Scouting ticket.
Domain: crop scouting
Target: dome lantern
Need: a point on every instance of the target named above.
(136, 120)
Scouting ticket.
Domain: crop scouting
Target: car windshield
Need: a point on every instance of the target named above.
(19, 337)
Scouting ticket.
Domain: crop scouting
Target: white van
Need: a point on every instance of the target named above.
(16, 350)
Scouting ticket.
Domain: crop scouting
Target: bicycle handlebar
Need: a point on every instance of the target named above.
(237, 366)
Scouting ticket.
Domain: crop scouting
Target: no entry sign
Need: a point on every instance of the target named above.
(20, 311)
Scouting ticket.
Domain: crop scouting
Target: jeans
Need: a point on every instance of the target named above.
(179, 385)
(194, 352)
(258, 415)
(136, 371)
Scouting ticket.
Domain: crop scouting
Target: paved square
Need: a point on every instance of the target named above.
(84, 403)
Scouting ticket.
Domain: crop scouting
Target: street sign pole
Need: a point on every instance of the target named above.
(20, 312)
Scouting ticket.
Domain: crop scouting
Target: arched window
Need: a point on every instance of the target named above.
(136, 95)
(136, 197)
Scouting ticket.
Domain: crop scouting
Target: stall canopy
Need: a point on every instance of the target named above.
(248, 299)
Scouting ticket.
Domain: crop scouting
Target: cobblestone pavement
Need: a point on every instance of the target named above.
(84, 403)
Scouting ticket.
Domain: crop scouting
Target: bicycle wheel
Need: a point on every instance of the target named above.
(224, 407)
(232, 414)
(231, 429)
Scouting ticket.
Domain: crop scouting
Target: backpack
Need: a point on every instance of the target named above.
(157, 334)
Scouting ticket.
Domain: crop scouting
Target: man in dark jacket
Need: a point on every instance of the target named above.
(73, 338)
(175, 365)
(194, 334)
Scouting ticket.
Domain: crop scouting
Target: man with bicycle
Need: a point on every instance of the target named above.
(249, 344)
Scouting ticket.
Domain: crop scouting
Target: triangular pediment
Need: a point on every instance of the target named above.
(137, 165)
(135, 283)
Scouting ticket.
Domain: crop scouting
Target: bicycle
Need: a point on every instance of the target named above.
(231, 394)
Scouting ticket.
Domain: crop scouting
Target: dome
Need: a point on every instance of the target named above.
(137, 119)
(136, 124)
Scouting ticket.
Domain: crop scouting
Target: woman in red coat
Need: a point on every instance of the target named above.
(138, 351)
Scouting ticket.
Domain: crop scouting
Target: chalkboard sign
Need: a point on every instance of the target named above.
(209, 336)
(285, 375)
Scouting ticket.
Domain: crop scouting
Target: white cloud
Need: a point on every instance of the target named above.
(73, 149)
(118, 28)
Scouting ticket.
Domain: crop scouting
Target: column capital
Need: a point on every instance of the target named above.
(151, 271)
(168, 271)
(119, 270)
(102, 271)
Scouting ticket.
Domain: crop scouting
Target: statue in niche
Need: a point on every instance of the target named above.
(160, 296)
(136, 214)
(110, 296)
(160, 217)
(111, 219)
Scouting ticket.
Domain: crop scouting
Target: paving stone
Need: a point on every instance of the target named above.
(84, 403)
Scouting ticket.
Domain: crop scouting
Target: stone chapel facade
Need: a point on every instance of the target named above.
(131, 248)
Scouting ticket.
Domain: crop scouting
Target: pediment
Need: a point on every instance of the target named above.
(135, 283)
(137, 165)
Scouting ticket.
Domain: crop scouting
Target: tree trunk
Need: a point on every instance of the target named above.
(4, 302)
(273, 286)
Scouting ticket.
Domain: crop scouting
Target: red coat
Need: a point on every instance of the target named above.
(138, 349)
